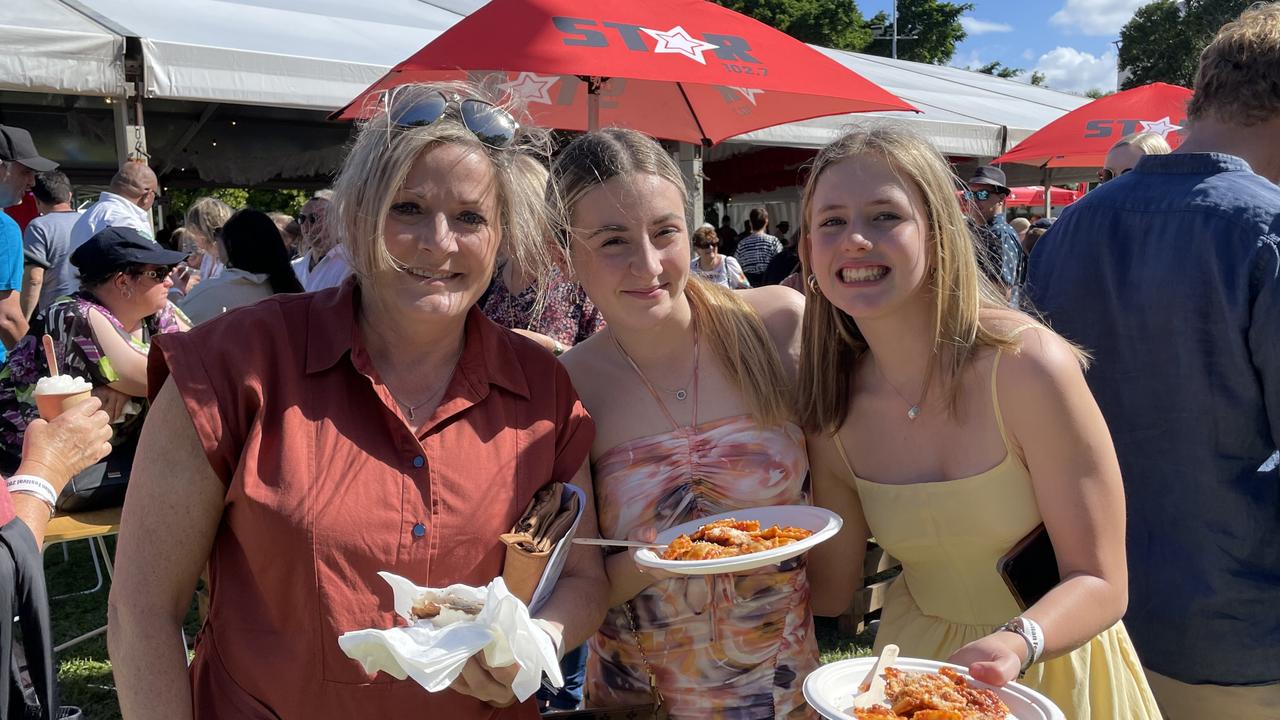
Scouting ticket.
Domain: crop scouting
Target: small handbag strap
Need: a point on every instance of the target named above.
(648, 669)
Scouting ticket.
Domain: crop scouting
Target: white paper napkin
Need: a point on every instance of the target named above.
(434, 657)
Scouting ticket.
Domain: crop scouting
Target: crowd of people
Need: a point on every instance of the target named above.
(470, 313)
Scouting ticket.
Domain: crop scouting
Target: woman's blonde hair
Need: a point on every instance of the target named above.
(832, 343)
(1148, 143)
(731, 327)
(205, 217)
(382, 155)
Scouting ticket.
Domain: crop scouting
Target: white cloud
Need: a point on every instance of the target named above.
(974, 26)
(1096, 17)
(1071, 70)
(1028, 55)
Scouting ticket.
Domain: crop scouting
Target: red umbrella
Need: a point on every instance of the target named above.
(1033, 196)
(1082, 137)
(684, 70)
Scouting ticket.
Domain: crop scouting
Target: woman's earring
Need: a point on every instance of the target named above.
(127, 293)
(812, 280)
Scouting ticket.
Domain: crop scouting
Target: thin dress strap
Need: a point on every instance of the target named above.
(653, 391)
(995, 396)
(844, 455)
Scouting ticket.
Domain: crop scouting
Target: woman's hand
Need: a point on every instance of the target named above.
(647, 535)
(491, 685)
(76, 439)
(113, 401)
(995, 659)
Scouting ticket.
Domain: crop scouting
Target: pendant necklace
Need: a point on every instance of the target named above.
(679, 393)
(913, 411)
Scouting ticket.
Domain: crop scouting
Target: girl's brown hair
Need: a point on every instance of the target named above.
(731, 327)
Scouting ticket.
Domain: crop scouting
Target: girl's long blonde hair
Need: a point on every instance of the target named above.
(731, 327)
(832, 343)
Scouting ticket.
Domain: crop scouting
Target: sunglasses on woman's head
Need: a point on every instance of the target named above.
(491, 125)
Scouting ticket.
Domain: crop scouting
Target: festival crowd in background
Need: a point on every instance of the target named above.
(383, 382)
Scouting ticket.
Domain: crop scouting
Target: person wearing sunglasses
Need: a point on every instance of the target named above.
(1000, 254)
(101, 333)
(1128, 151)
(327, 262)
(384, 424)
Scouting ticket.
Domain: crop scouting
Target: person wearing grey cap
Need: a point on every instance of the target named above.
(19, 163)
(1003, 259)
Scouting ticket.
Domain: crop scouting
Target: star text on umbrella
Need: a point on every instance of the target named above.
(531, 88)
(1162, 126)
(748, 93)
(680, 42)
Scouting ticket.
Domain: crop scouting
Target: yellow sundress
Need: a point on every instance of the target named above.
(949, 536)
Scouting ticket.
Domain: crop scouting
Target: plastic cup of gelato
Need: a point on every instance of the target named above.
(56, 394)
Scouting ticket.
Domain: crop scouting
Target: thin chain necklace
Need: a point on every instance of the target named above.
(679, 393)
(410, 410)
(913, 411)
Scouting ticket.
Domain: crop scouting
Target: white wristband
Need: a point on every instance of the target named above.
(1037, 639)
(35, 486)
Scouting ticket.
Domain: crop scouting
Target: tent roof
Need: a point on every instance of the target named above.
(284, 53)
(964, 112)
(51, 47)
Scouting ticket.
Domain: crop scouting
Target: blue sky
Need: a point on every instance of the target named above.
(1068, 40)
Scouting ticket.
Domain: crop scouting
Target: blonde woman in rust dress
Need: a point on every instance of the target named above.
(688, 387)
(950, 427)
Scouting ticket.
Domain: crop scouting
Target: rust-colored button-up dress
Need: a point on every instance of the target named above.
(326, 485)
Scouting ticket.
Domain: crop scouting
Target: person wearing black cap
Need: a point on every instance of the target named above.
(1003, 260)
(101, 333)
(19, 163)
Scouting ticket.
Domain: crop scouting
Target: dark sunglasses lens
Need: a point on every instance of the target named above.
(1105, 174)
(494, 126)
(423, 112)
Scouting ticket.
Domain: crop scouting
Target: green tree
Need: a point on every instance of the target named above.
(999, 69)
(285, 201)
(1037, 78)
(830, 23)
(1164, 39)
(1095, 93)
(935, 26)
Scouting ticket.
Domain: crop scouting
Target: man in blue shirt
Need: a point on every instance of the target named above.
(19, 163)
(1000, 252)
(1170, 276)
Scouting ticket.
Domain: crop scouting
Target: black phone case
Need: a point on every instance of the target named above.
(1030, 568)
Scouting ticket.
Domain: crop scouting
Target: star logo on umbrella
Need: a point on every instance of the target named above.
(1162, 126)
(531, 87)
(678, 41)
(748, 93)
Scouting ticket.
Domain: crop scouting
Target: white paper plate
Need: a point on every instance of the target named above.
(821, 522)
(829, 689)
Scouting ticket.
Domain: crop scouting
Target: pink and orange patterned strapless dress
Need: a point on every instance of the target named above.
(736, 647)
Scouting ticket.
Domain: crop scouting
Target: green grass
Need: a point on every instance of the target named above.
(84, 671)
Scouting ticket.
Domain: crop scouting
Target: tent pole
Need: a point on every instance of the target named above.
(1048, 193)
(593, 103)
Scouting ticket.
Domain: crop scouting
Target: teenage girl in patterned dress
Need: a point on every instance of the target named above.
(689, 386)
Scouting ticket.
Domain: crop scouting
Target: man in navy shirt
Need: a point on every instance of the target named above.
(1170, 276)
(19, 163)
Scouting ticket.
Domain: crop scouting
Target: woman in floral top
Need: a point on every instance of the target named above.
(101, 334)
